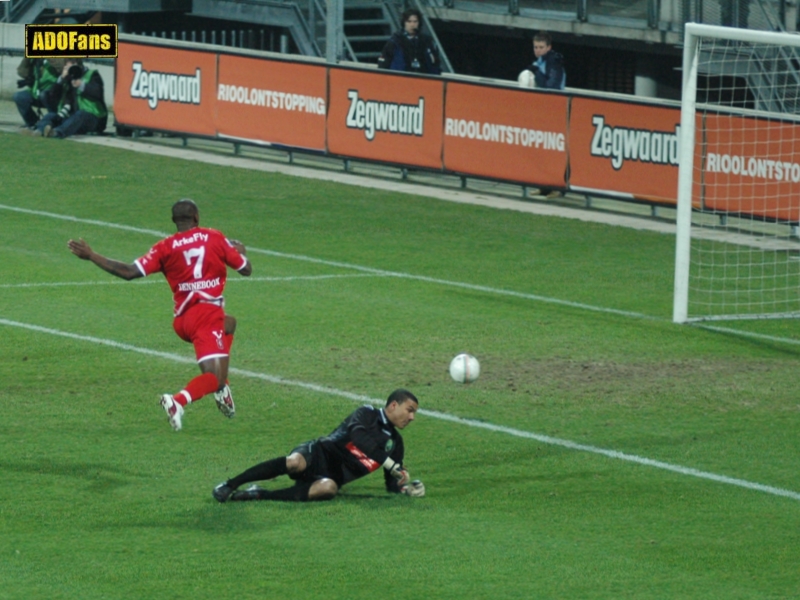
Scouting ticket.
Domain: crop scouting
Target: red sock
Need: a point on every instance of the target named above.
(228, 341)
(198, 387)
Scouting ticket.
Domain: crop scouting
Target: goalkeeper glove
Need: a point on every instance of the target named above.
(415, 489)
(397, 471)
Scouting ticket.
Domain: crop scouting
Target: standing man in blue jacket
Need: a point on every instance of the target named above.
(409, 50)
(548, 72)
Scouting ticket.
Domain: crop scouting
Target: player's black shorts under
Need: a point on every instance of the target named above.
(318, 464)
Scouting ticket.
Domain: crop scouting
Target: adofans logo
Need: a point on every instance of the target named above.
(71, 41)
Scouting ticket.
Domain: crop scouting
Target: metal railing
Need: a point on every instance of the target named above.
(764, 15)
(447, 67)
(768, 15)
(772, 76)
(647, 11)
(775, 15)
(12, 9)
(321, 8)
(251, 38)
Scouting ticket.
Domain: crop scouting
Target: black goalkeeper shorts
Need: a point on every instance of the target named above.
(318, 464)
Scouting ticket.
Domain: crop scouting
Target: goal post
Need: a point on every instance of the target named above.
(737, 254)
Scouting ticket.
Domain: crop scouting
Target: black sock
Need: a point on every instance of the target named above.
(266, 470)
(296, 493)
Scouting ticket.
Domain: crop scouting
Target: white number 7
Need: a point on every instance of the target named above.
(199, 254)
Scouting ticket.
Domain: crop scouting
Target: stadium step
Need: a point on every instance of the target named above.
(367, 38)
(367, 29)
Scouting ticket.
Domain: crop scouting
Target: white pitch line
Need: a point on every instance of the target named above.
(545, 439)
(13, 286)
(343, 265)
(159, 281)
(741, 332)
(381, 272)
(41, 213)
(459, 284)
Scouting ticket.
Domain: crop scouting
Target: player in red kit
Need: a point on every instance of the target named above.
(195, 263)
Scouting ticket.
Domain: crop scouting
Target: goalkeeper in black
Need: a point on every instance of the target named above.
(365, 441)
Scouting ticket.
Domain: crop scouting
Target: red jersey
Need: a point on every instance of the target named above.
(195, 264)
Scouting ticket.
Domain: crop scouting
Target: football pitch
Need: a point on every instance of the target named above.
(603, 453)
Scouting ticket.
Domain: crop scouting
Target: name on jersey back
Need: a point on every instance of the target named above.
(184, 241)
(198, 285)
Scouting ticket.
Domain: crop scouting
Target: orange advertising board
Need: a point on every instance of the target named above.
(385, 117)
(164, 88)
(751, 166)
(513, 135)
(624, 148)
(272, 101)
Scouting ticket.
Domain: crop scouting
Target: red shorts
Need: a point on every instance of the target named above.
(203, 325)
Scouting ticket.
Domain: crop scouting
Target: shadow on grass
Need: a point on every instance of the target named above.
(216, 518)
(245, 517)
(100, 477)
(365, 497)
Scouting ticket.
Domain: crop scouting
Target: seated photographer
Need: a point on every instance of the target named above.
(36, 77)
(81, 106)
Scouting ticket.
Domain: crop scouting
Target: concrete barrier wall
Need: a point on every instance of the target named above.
(12, 37)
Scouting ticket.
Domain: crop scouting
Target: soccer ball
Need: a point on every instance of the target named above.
(465, 368)
(526, 79)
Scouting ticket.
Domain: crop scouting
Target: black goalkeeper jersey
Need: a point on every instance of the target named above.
(361, 444)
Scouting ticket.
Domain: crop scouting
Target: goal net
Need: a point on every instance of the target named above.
(737, 251)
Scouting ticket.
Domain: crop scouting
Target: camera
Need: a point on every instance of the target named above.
(64, 112)
(74, 72)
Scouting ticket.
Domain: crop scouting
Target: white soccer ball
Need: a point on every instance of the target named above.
(465, 368)
(526, 79)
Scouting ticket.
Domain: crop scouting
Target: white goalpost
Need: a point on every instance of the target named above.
(737, 253)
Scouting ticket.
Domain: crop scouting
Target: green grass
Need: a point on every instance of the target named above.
(100, 499)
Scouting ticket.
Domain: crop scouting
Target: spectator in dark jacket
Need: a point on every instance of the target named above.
(548, 73)
(409, 50)
(548, 68)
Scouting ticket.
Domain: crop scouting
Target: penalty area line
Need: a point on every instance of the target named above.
(354, 267)
(322, 389)
(410, 276)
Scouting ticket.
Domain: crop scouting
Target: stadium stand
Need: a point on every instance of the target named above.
(624, 47)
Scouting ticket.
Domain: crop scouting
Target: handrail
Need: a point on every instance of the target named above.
(392, 14)
(767, 93)
(349, 49)
(14, 8)
(790, 56)
(775, 21)
(323, 12)
(447, 67)
(299, 18)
